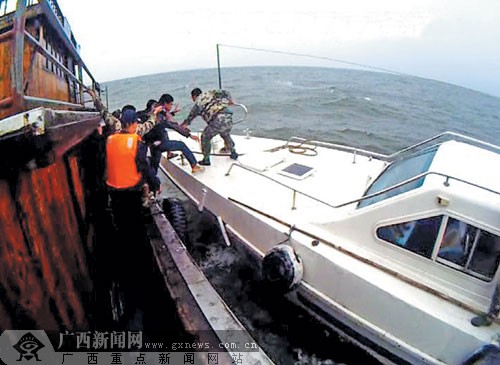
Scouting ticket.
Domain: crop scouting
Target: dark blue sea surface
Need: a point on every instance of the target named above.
(371, 110)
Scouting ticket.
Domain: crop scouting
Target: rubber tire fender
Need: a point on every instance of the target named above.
(282, 268)
(176, 215)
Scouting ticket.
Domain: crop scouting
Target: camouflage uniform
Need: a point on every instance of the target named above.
(113, 124)
(212, 106)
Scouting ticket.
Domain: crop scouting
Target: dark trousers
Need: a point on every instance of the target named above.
(169, 145)
(130, 241)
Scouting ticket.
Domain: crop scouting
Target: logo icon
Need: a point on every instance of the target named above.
(28, 346)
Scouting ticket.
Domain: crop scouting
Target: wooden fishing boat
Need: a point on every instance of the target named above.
(56, 257)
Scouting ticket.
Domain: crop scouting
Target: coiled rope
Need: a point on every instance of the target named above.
(300, 149)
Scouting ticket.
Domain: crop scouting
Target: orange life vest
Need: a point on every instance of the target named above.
(121, 152)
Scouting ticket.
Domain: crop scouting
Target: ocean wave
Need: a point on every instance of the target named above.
(328, 99)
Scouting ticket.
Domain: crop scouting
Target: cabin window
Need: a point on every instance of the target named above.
(460, 246)
(418, 236)
(53, 49)
(469, 249)
(397, 172)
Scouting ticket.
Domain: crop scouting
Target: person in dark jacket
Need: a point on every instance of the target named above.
(143, 115)
(157, 137)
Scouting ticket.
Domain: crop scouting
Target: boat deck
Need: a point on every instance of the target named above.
(314, 196)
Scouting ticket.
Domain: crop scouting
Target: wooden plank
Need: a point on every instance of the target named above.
(201, 308)
(191, 317)
(5, 79)
(76, 185)
(51, 230)
(23, 290)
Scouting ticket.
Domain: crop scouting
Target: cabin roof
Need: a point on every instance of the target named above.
(470, 163)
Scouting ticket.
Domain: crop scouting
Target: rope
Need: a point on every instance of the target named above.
(332, 60)
(302, 150)
(320, 58)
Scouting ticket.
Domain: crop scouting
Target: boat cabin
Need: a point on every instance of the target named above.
(434, 217)
(41, 63)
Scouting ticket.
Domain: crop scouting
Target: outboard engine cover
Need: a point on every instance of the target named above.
(282, 268)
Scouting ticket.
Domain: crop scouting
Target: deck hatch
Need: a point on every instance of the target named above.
(296, 171)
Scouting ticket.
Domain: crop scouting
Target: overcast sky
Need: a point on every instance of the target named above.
(455, 41)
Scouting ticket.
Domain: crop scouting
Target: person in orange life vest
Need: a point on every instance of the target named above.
(127, 171)
(126, 158)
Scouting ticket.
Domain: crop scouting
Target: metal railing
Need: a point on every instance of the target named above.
(443, 137)
(57, 11)
(295, 191)
(437, 139)
(339, 147)
(9, 6)
(245, 110)
(19, 34)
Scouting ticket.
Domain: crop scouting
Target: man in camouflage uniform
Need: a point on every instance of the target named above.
(112, 124)
(212, 106)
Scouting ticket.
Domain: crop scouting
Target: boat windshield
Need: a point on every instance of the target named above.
(397, 172)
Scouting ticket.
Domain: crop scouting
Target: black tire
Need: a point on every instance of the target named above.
(282, 269)
(175, 213)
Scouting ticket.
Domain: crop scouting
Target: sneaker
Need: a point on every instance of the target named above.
(234, 155)
(196, 169)
(204, 162)
(172, 155)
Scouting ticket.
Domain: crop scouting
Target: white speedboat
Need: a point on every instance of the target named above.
(399, 252)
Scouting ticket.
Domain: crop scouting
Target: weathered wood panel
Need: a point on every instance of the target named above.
(43, 261)
(24, 300)
(44, 83)
(39, 81)
(76, 183)
(52, 228)
(5, 80)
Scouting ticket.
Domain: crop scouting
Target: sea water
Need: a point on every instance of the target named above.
(371, 110)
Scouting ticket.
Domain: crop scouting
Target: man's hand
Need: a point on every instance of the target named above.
(159, 190)
(158, 109)
(175, 109)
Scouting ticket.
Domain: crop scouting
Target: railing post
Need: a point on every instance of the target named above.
(218, 67)
(107, 99)
(17, 65)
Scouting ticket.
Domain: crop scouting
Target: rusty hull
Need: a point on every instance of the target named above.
(45, 279)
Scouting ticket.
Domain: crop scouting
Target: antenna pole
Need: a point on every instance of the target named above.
(218, 67)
